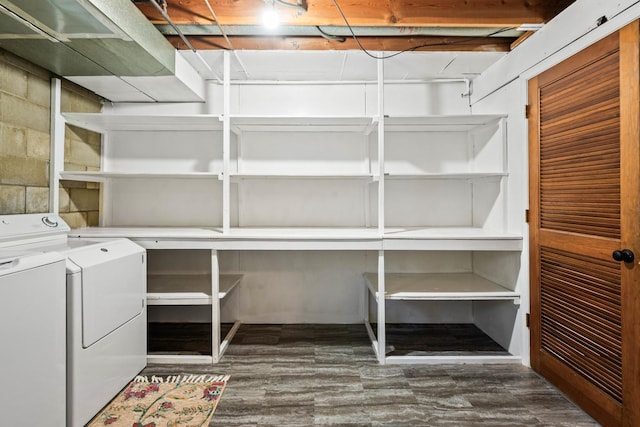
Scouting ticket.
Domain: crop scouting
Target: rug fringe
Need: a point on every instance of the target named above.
(188, 379)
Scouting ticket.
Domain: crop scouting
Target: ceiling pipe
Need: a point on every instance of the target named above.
(215, 18)
(165, 15)
(224, 34)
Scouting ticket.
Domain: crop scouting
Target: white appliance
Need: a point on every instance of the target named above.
(106, 338)
(32, 333)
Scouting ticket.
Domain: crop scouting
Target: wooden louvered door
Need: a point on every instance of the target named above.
(584, 206)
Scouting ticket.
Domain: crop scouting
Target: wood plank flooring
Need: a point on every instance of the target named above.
(310, 375)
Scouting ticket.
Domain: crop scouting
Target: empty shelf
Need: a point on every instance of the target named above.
(100, 122)
(187, 289)
(444, 175)
(99, 176)
(439, 286)
(450, 238)
(359, 124)
(439, 123)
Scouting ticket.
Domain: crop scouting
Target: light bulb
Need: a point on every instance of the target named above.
(270, 18)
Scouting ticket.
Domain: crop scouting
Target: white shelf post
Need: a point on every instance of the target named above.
(381, 222)
(56, 156)
(226, 146)
(381, 310)
(215, 307)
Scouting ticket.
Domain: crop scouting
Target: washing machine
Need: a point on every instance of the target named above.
(32, 333)
(106, 325)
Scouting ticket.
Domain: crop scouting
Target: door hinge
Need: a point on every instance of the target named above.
(526, 216)
(527, 320)
(526, 111)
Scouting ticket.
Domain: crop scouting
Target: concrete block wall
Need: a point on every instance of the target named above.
(80, 201)
(25, 108)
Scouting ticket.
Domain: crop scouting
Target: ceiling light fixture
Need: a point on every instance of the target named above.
(270, 18)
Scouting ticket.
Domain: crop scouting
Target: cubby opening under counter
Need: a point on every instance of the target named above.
(444, 306)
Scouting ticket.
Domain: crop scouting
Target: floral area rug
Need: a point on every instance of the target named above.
(171, 401)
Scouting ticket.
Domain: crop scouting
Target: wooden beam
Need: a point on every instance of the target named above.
(447, 13)
(426, 43)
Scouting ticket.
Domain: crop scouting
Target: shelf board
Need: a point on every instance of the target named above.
(444, 175)
(439, 286)
(301, 238)
(439, 123)
(100, 176)
(449, 238)
(359, 124)
(242, 176)
(303, 233)
(152, 233)
(100, 122)
(187, 289)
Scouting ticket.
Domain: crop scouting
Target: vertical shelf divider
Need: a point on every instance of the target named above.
(381, 222)
(226, 146)
(504, 184)
(215, 307)
(56, 157)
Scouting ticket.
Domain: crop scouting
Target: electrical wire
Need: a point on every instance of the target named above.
(411, 49)
(328, 36)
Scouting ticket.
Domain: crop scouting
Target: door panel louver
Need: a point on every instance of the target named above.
(580, 151)
(581, 316)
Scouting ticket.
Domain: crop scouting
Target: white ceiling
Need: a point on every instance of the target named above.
(341, 65)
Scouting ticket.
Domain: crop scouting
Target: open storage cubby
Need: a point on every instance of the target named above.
(153, 166)
(182, 286)
(294, 165)
(443, 298)
(458, 166)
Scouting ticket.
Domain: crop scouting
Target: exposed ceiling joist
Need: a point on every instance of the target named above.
(431, 24)
(418, 43)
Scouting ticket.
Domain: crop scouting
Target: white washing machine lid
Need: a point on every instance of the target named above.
(113, 286)
(12, 261)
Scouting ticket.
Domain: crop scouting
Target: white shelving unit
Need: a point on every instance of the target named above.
(306, 181)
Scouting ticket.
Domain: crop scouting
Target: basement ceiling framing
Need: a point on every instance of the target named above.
(379, 25)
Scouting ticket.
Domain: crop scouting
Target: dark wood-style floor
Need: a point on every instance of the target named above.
(309, 375)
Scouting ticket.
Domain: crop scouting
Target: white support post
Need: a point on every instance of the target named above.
(215, 307)
(56, 156)
(504, 185)
(381, 222)
(226, 146)
(381, 310)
